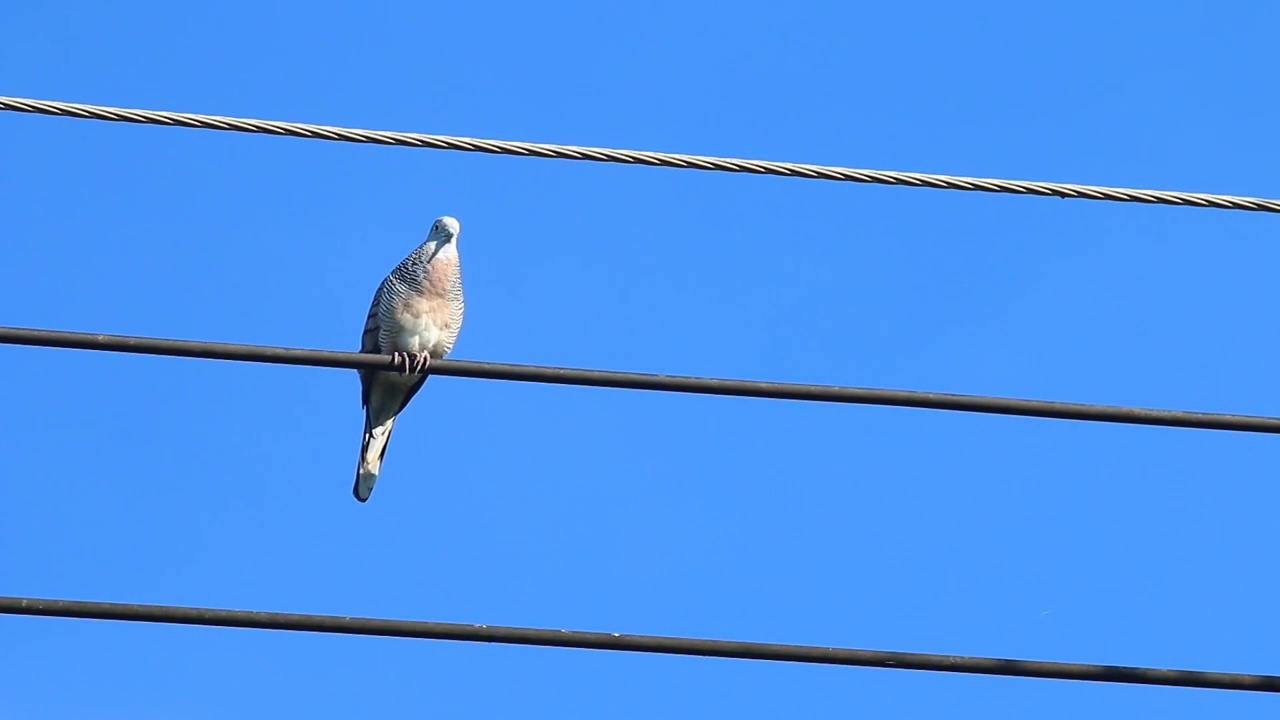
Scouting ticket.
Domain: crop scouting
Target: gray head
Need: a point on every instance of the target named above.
(445, 229)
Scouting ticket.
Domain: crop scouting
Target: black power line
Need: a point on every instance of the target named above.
(214, 617)
(647, 381)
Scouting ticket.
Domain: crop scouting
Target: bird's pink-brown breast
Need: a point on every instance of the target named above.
(426, 320)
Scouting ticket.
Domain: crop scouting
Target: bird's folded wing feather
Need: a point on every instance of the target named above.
(369, 344)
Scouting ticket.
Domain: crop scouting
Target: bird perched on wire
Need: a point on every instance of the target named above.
(415, 316)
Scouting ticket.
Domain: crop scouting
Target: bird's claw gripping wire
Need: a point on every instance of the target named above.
(413, 363)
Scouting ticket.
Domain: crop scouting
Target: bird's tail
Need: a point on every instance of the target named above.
(372, 450)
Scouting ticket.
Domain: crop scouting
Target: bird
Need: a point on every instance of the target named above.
(415, 317)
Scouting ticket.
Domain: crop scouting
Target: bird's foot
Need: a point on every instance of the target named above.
(413, 363)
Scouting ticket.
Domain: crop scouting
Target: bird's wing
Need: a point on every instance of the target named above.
(369, 344)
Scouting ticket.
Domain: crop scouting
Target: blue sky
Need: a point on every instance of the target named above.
(165, 480)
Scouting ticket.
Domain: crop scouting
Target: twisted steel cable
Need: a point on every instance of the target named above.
(636, 157)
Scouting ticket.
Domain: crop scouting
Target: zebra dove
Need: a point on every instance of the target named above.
(415, 316)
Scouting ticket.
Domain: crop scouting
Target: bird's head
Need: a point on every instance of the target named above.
(445, 229)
